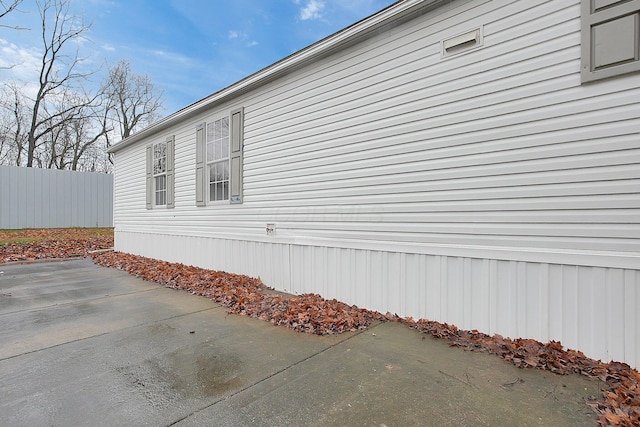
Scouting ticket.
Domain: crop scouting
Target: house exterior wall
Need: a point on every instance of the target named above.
(51, 198)
(488, 189)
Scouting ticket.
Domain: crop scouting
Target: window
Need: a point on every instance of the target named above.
(218, 159)
(610, 38)
(160, 173)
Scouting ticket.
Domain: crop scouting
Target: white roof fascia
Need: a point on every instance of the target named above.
(323, 47)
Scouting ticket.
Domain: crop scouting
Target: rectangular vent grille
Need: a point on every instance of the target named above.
(462, 42)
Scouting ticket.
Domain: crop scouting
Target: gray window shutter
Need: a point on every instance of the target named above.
(200, 166)
(610, 38)
(170, 172)
(236, 152)
(149, 177)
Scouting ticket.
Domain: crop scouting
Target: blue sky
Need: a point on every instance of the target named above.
(189, 48)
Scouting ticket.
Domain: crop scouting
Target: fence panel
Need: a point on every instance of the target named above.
(51, 198)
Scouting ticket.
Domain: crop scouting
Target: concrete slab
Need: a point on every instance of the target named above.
(88, 345)
(389, 376)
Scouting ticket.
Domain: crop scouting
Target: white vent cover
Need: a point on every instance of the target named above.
(462, 42)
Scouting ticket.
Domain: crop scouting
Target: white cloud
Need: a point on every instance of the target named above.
(241, 36)
(168, 57)
(20, 63)
(312, 10)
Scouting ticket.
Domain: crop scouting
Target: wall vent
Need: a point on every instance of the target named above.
(462, 42)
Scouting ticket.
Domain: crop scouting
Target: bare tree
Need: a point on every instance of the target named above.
(132, 98)
(7, 7)
(13, 118)
(57, 70)
(80, 130)
(75, 137)
(7, 129)
(58, 124)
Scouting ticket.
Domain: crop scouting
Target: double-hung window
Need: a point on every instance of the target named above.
(160, 174)
(218, 159)
(219, 155)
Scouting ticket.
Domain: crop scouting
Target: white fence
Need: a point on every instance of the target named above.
(50, 198)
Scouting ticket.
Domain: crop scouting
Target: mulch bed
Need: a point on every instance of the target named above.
(310, 313)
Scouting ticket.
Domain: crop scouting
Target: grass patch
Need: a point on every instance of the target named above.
(25, 236)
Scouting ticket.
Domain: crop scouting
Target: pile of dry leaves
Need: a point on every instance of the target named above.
(311, 313)
(247, 296)
(621, 404)
(28, 245)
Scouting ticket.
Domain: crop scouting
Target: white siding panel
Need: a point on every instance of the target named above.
(268, 261)
(501, 146)
(490, 190)
(315, 175)
(630, 301)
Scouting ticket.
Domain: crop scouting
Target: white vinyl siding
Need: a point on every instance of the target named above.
(386, 150)
(499, 147)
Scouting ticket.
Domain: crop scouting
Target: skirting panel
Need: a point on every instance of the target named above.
(592, 309)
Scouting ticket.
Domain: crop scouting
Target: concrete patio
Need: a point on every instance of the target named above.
(87, 345)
